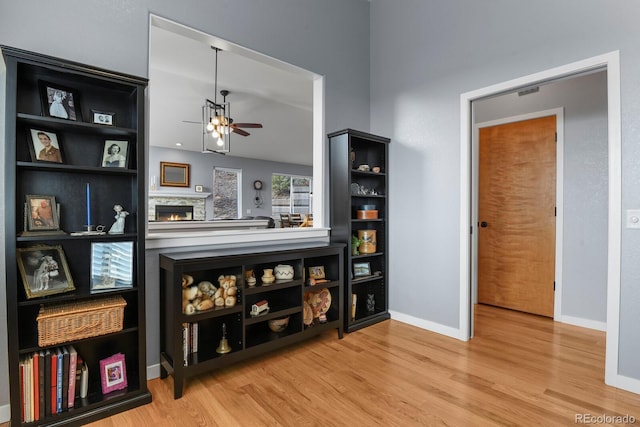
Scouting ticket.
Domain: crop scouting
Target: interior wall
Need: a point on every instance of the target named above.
(329, 38)
(585, 179)
(201, 168)
(454, 47)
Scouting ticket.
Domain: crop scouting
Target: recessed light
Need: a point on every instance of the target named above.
(179, 144)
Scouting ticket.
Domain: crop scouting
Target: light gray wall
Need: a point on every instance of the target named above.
(585, 221)
(202, 165)
(329, 37)
(424, 54)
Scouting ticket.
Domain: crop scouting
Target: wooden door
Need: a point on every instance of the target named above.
(516, 212)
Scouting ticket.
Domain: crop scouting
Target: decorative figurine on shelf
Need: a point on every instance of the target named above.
(371, 303)
(118, 226)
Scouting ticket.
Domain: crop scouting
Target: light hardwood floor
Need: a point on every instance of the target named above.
(519, 370)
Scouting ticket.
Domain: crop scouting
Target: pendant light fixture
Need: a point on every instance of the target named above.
(216, 132)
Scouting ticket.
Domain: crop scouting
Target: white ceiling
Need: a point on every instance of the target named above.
(262, 90)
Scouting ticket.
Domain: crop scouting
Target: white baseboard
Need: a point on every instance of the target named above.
(429, 326)
(584, 323)
(153, 371)
(625, 383)
(5, 413)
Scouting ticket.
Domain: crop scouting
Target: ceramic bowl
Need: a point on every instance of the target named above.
(279, 325)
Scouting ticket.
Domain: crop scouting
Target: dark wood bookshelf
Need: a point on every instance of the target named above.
(83, 145)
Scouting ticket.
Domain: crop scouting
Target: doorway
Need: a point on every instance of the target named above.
(516, 210)
(611, 63)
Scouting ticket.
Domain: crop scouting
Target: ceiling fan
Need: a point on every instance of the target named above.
(235, 127)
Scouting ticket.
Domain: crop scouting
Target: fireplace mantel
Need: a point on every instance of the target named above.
(181, 194)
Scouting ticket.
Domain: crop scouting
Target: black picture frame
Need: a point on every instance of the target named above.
(44, 270)
(42, 213)
(59, 101)
(361, 269)
(37, 141)
(112, 159)
(103, 118)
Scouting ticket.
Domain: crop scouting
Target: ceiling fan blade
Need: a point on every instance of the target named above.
(191, 121)
(239, 131)
(247, 125)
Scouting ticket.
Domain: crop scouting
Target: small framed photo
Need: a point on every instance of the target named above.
(113, 373)
(316, 272)
(103, 118)
(361, 269)
(44, 146)
(111, 266)
(44, 270)
(199, 188)
(42, 213)
(115, 154)
(60, 101)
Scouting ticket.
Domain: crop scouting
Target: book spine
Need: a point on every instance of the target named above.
(194, 337)
(185, 344)
(65, 377)
(41, 384)
(60, 369)
(84, 381)
(47, 382)
(73, 368)
(54, 380)
(22, 391)
(36, 386)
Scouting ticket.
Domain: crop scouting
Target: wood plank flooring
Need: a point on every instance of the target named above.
(519, 370)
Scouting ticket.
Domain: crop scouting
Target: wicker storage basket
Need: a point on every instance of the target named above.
(59, 323)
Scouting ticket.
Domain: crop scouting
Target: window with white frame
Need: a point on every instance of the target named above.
(227, 194)
(290, 194)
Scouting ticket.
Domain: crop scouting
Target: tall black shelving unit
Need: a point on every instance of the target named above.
(355, 184)
(83, 141)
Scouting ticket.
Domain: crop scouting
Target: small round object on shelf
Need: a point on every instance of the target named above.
(279, 325)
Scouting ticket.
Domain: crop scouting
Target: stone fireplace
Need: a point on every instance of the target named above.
(189, 201)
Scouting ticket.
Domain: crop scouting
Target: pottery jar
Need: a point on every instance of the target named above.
(368, 241)
(267, 276)
(283, 272)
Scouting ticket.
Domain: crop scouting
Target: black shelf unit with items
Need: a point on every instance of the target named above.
(185, 355)
(359, 183)
(99, 107)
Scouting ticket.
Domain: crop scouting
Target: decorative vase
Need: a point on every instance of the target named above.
(368, 241)
(267, 276)
(283, 272)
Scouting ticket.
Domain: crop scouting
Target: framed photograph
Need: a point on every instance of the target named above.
(44, 270)
(115, 154)
(103, 118)
(361, 269)
(60, 101)
(42, 213)
(111, 266)
(316, 272)
(113, 373)
(44, 146)
(174, 174)
(199, 188)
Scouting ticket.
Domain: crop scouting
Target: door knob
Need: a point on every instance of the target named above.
(483, 224)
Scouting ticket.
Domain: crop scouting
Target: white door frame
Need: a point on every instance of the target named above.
(611, 62)
(559, 114)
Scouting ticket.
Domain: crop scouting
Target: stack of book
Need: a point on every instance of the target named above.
(50, 382)
(189, 341)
